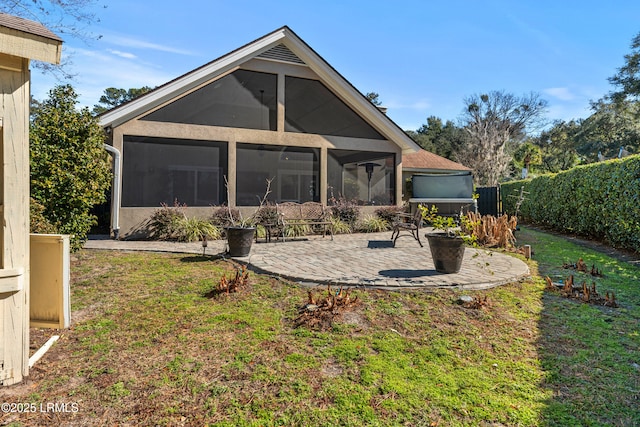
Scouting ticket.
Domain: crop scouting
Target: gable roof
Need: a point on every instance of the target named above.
(425, 161)
(282, 44)
(28, 39)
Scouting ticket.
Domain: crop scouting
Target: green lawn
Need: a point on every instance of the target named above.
(151, 347)
(590, 354)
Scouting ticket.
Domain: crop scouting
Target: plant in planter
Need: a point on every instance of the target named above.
(241, 231)
(448, 241)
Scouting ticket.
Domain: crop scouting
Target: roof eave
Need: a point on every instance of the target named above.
(346, 91)
(285, 35)
(28, 39)
(428, 170)
(164, 93)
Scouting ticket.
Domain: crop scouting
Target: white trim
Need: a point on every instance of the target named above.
(349, 94)
(187, 82)
(325, 72)
(42, 350)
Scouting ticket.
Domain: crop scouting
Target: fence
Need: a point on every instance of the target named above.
(489, 201)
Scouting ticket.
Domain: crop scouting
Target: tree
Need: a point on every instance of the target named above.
(113, 97)
(66, 18)
(627, 80)
(424, 141)
(70, 169)
(526, 155)
(443, 140)
(494, 122)
(611, 126)
(557, 145)
(374, 98)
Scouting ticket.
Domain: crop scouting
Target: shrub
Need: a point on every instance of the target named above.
(295, 230)
(70, 169)
(172, 223)
(267, 214)
(599, 200)
(220, 216)
(164, 221)
(339, 226)
(38, 221)
(345, 210)
(373, 224)
(388, 213)
(195, 229)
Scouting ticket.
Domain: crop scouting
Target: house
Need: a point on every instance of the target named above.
(20, 41)
(271, 110)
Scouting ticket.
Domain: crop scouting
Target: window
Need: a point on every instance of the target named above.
(312, 108)
(294, 171)
(242, 99)
(163, 170)
(366, 177)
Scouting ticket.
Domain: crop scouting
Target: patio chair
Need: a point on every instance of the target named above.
(406, 222)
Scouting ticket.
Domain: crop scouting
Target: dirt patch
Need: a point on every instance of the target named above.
(331, 369)
(354, 318)
(325, 307)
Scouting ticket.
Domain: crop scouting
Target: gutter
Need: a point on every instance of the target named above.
(117, 188)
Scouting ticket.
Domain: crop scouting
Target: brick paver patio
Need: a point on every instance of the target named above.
(367, 260)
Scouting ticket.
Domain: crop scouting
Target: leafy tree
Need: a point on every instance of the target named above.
(627, 79)
(70, 169)
(526, 155)
(611, 126)
(113, 97)
(444, 140)
(494, 122)
(422, 140)
(374, 98)
(557, 146)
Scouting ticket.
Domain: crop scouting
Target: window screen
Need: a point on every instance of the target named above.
(162, 170)
(294, 171)
(365, 177)
(242, 99)
(312, 108)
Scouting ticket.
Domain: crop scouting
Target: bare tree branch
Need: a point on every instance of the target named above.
(494, 122)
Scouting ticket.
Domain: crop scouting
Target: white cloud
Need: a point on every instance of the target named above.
(561, 93)
(133, 43)
(97, 70)
(421, 104)
(122, 54)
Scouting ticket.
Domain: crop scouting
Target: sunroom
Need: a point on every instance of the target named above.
(271, 110)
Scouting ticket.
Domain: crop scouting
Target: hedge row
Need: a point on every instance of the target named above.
(600, 200)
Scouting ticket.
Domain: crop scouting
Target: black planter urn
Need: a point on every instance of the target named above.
(240, 240)
(447, 252)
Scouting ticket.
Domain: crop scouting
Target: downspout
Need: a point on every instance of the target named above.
(115, 203)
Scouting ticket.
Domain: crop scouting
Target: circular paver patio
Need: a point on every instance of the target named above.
(367, 260)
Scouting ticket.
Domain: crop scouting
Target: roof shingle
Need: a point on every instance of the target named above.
(424, 159)
(26, 26)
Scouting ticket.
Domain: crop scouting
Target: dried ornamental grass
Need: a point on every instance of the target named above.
(491, 231)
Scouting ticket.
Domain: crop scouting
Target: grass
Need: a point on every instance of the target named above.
(590, 354)
(149, 348)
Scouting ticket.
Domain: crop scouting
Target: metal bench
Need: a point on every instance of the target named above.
(311, 214)
(407, 222)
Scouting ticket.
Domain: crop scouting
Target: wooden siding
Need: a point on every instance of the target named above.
(20, 41)
(14, 305)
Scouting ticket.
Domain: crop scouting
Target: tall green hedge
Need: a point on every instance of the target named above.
(600, 200)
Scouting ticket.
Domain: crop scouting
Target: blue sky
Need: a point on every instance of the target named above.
(422, 57)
